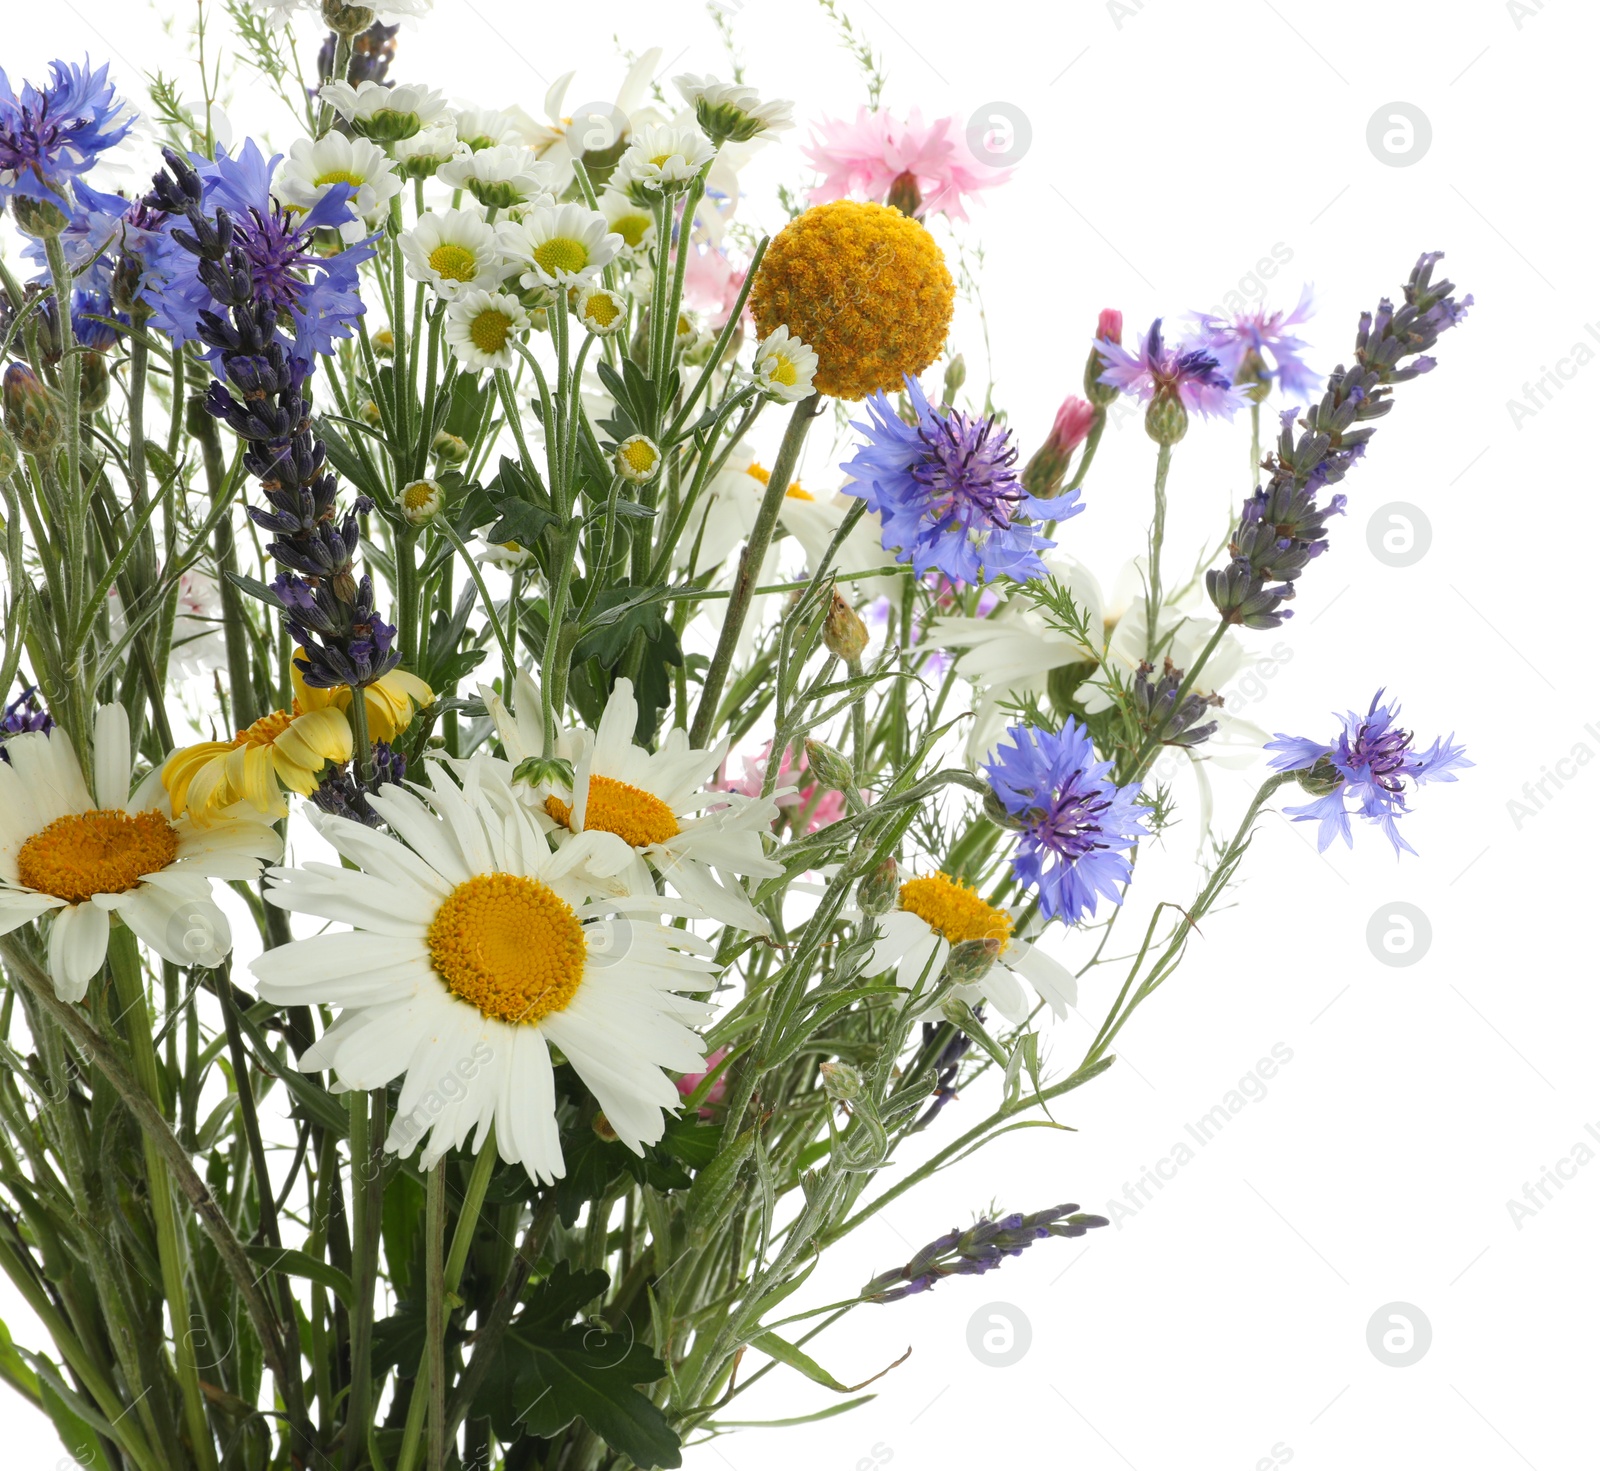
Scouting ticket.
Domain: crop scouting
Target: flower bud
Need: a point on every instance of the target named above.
(94, 382)
(955, 374)
(879, 891)
(348, 20)
(1166, 420)
(971, 959)
(603, 1128)
(383, 342)
(602, 312)
(37, 217)
(1108, 329)
(33, 412)
(831, 767)
(638, 458)
(421, 501)
(450, 449)
(1045, 473)
(543, 771)
(372, 413)
(843, 631)
(905, 195)
(840, 1081)
(1321, 779)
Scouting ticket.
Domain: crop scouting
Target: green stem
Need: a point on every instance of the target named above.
(1158, 532)
(437, 1315)
(366, 1195)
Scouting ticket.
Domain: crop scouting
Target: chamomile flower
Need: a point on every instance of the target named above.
(483, 127)
(83, 856)
(474, 947)
(560, 245)
(785, 366)
(659, 805)
(384, 112)
(499, 177)
(664, 156)
(730, 112)
(312, 169)
(935, 912)
(481, 326)
(454, 250)
(633, 221)
(602, 312)
(637, 458)
(421, 501)
(424, 154)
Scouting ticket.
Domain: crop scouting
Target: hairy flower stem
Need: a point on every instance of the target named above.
(128, 976)
(1158, 532)
(366, 1198)
(750, 560)
(437, 1315)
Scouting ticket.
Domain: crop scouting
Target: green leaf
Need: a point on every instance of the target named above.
(521, 522)
(254, 588)
(14, 1368)
(824, 1414)
(551, 1371)
(786, 1353)
(301, 1264)
(81, 1442)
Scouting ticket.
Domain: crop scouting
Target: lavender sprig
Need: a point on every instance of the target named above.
(1283, 525)
(343, 792)
(978, 1249)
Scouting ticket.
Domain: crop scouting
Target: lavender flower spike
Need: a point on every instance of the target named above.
(1363, 772)
(979, 1249)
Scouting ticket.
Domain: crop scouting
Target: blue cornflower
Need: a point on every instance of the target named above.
(49, 138)
(947, 492)
(1363, 771)
(97, 225)
(1075, 823)
(319, 293)
(22, 715)
(1255, 348)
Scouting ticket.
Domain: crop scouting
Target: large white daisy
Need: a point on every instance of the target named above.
(561, 245)
(655, 804)
(83, 857)
(473, 948)
(663, 156)
(933, 913)
(313, 168)
(454, 250)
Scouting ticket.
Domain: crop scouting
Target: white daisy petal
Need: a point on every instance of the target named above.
(78, 940)
(113, 759)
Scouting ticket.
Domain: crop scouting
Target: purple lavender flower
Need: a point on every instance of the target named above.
(22, 716)
(1075, 823)
(947, 491)
(50, 138)
(979, 1249)
(344, 794)
(1190, 376)
(1363, 772)
(319, 293)
(1256, 350)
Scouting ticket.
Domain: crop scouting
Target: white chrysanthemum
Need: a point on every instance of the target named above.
(634, 222)
(935, 912)
(481, 327)
(423, 154)
(731, 111)
(511, 555)
(484, 127)
(603, 312)
(656, 803)
(312, 169)
(785, 366)
(561, 245)
(499, 177)
(454, 250)
(474, 948)
(387, 113)
(86, 857)
(663, 156)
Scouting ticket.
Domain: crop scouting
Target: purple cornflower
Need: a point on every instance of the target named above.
(1255, 349)
(49, 138)
(1363, 771)
(97, 225)
(23, 715)
(979, 1249)
(319, 293)
(1189, 376)
(1074, 823)
(947, 491)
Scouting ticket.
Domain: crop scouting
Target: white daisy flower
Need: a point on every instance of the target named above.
(484, 127)
(814, 521)
(385, 113)
(423, 154)
(603, 312)
(663, 156)
(562, 245)
(473, 948)
(935, 912)
(454, 250)
(722, 520)
(655, 803)
(84, 857)
(312, 169)
(785, 366)
(730, 111)
(500, 177)
(480, 327)
(634, 222)
(596, 132)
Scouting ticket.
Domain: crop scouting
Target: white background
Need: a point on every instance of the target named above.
(1224, 1325)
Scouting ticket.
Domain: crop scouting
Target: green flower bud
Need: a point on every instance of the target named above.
(33, 412)
(1166, 420)
(955, 374)
(37, 217)
(832, 768)
(971, 960)
(348, 20)
(450, 449)
(94, 382)
(879, 891)
(843, 631)
(8, 454)
(1101, 395)
(840, 1080)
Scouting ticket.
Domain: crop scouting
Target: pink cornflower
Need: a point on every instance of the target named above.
(808, 808)
(921, 168)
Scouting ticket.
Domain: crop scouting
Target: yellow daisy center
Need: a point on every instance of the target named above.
(639, 455)
(632, 228)
(418, 494)
(489, 330)
(340, 176)
(88, 853)
(453, 263)
(794, 493)
(509, 946)
(561, 254)
(953, 910)
(267, 729)
(601, 310)
(638, 817)
(783, 370)
(660, 159)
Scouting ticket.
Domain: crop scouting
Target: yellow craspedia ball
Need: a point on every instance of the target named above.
(864, 287)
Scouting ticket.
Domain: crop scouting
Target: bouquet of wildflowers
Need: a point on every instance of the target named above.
(493, 868)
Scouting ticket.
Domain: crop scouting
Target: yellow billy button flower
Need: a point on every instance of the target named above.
(637, 458)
